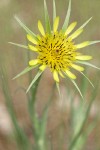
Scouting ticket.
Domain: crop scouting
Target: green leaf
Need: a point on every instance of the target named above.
(19, 45)
(88, 64)
(24, 71)
(77, 88)
(66, 22)
(54, 10)
(33, 81)
(87, 79)
(80, 143)
(47, 21)
(85, 23)
(25, 28)
(22, 140)
(84, 116)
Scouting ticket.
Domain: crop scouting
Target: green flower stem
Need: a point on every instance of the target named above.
(41, 141)
(41, 145)
(32, 110)
(32, 103)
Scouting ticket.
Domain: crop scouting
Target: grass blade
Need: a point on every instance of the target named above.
(75, 139)
(21, 138)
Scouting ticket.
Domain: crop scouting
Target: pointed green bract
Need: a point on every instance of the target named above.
(24, 71)
(77, 88)
(85, 23)
(66, 22)
(87, 79)
(58, 88)
(88, 64)
(86, 43)
(54, 10)
(19, 45)
(93, 42)
(33, 81)
(47, 21)
(79, 29)
(25, 28)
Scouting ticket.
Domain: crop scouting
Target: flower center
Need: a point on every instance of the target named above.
(56, 51)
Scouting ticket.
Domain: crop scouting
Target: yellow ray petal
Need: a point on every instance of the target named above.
(31, 39)
(84, 57)
(33, 62)
(33, 48)
(70, 28)
(81, 45)
(40, 27)
(76, 33)
(79, 68)
(56, 24)
(70, 75)
(55, 76)
(43, 67)
(39, 37)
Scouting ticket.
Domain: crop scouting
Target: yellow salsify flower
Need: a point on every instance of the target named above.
(56, 49)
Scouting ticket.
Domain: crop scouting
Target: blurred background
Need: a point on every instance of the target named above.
(15, 59)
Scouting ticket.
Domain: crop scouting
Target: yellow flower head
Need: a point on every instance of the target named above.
(56, 49)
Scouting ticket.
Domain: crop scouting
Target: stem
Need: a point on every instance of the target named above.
(32, 110)
(41, 144)
(31, 102)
